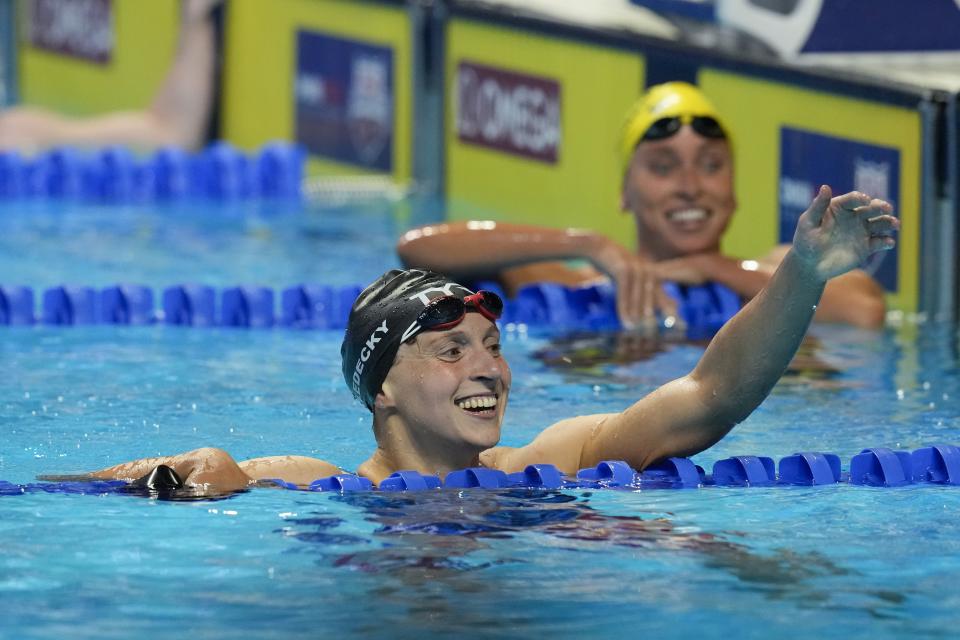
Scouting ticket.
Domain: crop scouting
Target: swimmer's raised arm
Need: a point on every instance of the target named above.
(178, 114)
(744, 360)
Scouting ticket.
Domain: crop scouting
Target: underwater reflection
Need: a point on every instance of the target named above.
(430, 538)
(587, 354)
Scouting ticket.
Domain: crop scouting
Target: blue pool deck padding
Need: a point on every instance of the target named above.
(315, 306)
(875, 467)
(114, 174)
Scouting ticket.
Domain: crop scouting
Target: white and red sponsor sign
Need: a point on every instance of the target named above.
(508, 111)
(76, 28)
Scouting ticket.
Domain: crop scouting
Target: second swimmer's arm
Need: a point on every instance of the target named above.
(480, 249)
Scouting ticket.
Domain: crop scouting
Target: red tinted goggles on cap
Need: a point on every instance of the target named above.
(448, 311)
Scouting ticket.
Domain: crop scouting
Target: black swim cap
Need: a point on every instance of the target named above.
(383, 317)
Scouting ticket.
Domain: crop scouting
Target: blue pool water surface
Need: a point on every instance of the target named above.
(835, 562)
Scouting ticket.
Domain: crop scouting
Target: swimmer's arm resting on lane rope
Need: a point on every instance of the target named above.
(514, 254)
(216, 469)
(517, 255)
(741, 364)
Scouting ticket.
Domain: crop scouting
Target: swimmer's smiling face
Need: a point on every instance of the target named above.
(450, 387)
(680, 191)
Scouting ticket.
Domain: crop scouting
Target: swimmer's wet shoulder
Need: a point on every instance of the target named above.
(562, 444)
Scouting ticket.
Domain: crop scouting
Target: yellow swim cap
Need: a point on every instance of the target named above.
(669, 100)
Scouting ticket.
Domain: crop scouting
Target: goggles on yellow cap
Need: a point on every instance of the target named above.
(662, 111)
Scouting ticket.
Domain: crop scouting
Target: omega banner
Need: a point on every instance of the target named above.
(508, 111)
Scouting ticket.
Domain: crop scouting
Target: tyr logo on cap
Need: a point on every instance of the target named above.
(446, 290)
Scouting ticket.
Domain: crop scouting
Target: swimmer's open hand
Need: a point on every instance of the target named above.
(835, 235)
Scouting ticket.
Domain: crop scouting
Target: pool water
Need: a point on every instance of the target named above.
(840, 561)
(278, 244)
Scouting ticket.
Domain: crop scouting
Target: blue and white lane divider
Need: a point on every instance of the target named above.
(703, 308)
(116, 175)
(875, 467)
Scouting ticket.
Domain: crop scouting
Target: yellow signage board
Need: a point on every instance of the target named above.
(260, 77)
(760, 112)
(531, 127)
(145, 40)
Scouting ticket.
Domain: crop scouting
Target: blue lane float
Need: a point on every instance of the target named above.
(69, 305)
(881, 467)
(674, 473)
(116, 175)
(703, 309)
(16, 306)
(250, 307)
(940, 464)
(126, 304)
(876, 467)
(189, 305)
(756, 471)
(810, 468)
(317, 306)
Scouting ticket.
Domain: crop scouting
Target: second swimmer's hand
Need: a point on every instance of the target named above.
(641, 300)
(835, 235)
